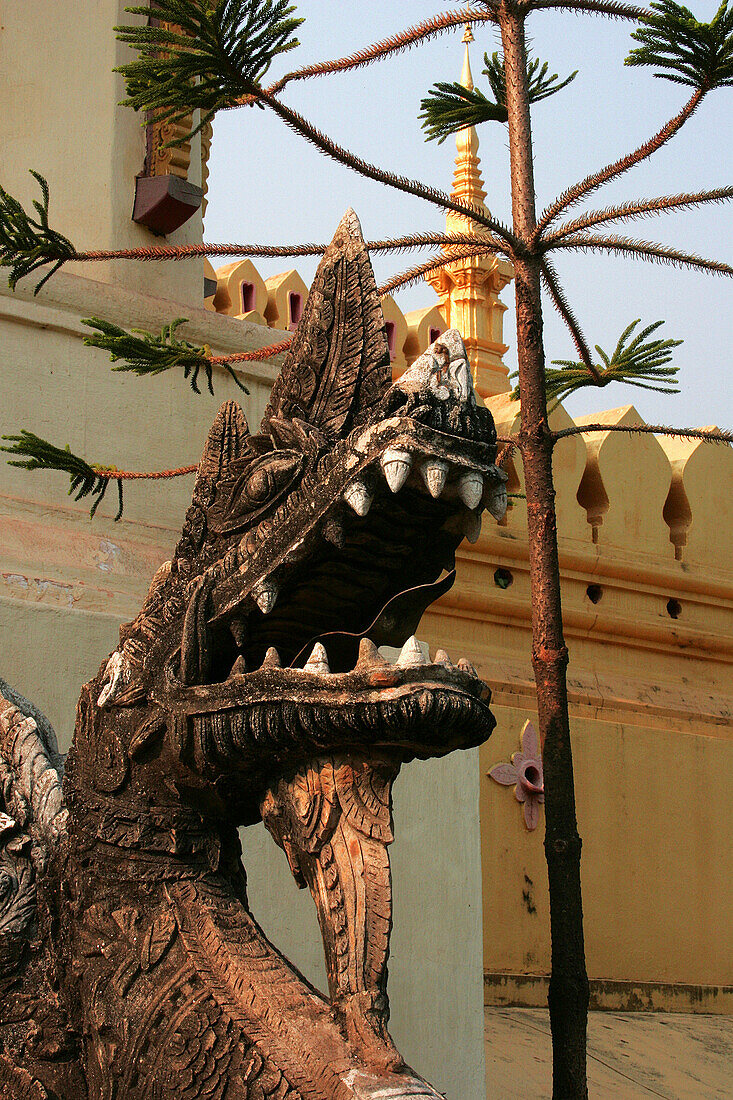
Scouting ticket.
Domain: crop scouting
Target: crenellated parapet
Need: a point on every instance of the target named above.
(642, 494)
(240, 291)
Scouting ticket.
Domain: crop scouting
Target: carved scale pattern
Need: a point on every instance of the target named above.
(333, 819)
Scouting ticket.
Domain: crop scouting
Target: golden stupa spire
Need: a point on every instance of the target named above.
(469, 288)
(467, 182)
(466, 76)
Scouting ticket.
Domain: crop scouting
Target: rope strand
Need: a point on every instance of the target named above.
(110, 473)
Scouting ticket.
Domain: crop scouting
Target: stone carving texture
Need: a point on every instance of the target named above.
(251, 687)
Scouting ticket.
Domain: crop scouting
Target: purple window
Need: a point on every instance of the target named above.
(295, 308)
(248, 297)
(434, 334)
(390, 339)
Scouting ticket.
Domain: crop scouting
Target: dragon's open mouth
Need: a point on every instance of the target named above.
(331, 564)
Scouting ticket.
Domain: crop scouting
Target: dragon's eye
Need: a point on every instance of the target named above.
(259, 486)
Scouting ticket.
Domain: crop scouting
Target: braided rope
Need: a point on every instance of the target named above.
(111, 473)
(252, 356)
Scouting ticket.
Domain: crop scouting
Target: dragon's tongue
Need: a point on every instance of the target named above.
(397, 620)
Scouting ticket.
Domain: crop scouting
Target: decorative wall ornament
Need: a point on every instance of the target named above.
(164, 197)
(250, 687)
(525, 775)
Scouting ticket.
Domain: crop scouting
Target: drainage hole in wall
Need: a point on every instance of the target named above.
(594, 592)
(674, 608)
(503, 578)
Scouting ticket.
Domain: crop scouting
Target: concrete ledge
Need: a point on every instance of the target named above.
(66, 298)
(611, 995)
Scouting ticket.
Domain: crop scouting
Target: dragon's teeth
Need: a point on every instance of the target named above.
(396, 467)
(358, 497)
(369, 655)
(442, 658)
(466, 666)
(435, 473)
(317, 663)
(471, 488)
(239, 667)
(497, 502)
(272, 659)
(265, 596)
(411, 655)
(472, 526)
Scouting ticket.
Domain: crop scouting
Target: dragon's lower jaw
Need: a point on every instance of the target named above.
(273, 722)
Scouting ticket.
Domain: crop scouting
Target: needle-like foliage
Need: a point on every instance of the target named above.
(144, 353)
(449, 107)
(202, 55)
(34, 453)
(27, 244)
(687, 51)
(642, 363)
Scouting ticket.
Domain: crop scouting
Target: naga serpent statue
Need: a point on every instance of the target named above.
(251, 687)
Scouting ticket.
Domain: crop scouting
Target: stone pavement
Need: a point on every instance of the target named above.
(631, 1055)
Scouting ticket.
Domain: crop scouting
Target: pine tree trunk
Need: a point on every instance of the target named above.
(568, 996)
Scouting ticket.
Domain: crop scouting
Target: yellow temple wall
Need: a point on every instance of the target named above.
(61, 117)
(644, 527)
(649, 628)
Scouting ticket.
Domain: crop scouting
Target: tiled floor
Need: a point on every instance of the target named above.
(631, 1055)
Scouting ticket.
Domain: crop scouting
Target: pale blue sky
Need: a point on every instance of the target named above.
(268, 185)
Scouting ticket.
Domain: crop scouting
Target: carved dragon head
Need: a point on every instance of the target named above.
(313, 542)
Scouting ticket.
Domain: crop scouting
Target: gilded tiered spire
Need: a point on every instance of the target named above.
(467, 182)
(469, 288)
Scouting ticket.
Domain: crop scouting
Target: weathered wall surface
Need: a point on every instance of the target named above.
(649, 627)
(61, 117)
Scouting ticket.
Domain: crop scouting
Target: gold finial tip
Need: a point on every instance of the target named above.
(468, 34)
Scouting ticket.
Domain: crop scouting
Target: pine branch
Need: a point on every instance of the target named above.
(561, 304)
(191, 251)
(417, 273)
(85, 480)
(640, 362)
(202, 56)
(610, 8)
(646, 250)
(717, 435)
(256, 356)
(397, 43)
(144, 353)
(26, 244)
(591, 183)
(448, 108)
(699, 55)
(639, 208)
(539, 85)
(301, 126)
